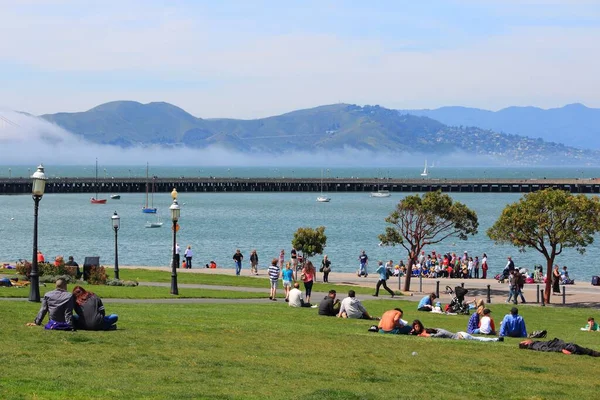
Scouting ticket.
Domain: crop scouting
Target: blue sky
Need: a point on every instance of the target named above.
(249, 59)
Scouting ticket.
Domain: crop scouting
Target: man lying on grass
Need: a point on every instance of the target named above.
(559, 346)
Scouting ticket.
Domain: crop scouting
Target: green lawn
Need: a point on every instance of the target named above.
(145, 292)
(146, 275)
(258, 351)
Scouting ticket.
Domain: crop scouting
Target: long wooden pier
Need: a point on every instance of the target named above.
(330, 185)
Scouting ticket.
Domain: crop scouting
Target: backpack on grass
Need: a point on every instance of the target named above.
(538, 334)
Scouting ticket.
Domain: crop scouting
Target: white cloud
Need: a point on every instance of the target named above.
(235, 73)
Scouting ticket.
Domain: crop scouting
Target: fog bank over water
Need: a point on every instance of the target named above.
(28, 140)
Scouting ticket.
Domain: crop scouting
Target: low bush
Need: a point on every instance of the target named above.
(97, 275)
(119, 282)
(54, 278)
(44, 268)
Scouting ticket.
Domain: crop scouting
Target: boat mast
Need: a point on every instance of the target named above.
(146, 185)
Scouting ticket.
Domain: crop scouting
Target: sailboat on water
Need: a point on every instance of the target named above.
(156, 224)
(96, 200)
(425, 173)
(145, 208)
(323, 198)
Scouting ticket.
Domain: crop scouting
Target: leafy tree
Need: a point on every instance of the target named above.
(421, 221)
(549, 221)
(310, 241)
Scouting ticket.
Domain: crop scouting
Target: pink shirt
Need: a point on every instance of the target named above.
(308, 276)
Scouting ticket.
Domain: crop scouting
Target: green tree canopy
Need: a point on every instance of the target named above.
(549, 221)
(310, 241)
(421, 221)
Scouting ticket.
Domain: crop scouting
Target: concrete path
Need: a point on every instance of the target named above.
(579, 295)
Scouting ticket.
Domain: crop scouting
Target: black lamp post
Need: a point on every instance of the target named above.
(116, 223)
(175, 212)
(37, 191)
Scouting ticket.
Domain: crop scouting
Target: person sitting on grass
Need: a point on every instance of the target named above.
(426, 303)
(58, 304)
(296, 298)
(486, 324)
(475, 318)
(91, 314)
(513, 324)
(591, 325)
(351, 307)
(391, 322)
(329, 306)
(559, 346)
(419, 330)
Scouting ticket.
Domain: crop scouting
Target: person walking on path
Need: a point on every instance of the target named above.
(238, 257)
(188, 257)
(273, 278)
(520, 278)
(484, 266)
(512, 287)
(382, 271)
(287, 275)
(308, 277)
(364, 262)
(325, 268)
(254, 262)
(294, 257)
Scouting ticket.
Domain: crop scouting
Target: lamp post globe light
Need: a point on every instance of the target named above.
(116, 224)
(37, 191)
(175, 213)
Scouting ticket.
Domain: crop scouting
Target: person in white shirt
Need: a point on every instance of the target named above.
(352, 308)
(486, 324)
(188, 257)
(296, 299)
(177, 251)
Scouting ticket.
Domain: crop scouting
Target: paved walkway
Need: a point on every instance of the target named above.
(579, 295)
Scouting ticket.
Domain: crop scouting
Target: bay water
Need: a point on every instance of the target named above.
(216, 224)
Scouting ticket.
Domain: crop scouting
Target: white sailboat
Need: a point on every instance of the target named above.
(381, 193)
(425, 173)
(323, 198)
(157, 224)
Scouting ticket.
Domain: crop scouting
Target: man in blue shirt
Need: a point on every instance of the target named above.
(513, 325)
(382, 271)
(426, 303)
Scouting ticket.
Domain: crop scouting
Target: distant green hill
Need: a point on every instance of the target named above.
(331, 127)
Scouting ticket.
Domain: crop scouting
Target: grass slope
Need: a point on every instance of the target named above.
(258, 351)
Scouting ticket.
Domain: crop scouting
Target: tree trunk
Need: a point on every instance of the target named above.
(408, 274)
(549, 278)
